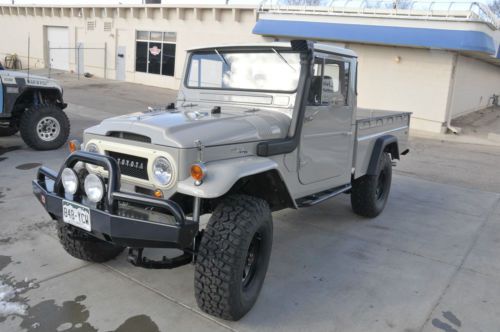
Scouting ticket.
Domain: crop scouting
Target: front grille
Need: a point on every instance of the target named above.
(131, 165)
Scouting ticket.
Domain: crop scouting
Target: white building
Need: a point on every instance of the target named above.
(438, 62)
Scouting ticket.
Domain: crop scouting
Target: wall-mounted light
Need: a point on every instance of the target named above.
(397, 59)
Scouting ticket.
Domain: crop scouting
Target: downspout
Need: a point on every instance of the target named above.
(449, 102)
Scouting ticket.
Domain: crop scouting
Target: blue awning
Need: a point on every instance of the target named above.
(457, 40)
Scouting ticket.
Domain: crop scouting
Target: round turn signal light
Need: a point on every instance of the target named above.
(198, 171)
(158, 193)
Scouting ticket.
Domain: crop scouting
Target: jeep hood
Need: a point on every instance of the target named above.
(182, 127)
(23, 79)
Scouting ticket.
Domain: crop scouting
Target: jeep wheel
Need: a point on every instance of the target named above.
(8, 131)
(233, 257)
(370, 192)
(83, 246)
(44, 127)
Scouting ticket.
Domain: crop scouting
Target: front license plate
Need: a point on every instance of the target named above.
(76, 215)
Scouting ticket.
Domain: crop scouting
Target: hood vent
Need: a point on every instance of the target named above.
(130, 136)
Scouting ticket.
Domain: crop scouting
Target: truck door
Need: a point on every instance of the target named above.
(327, 138)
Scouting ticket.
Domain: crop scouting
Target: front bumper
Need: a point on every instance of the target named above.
(114, 220)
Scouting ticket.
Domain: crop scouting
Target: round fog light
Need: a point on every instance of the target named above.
(94, 188)
(69, 181)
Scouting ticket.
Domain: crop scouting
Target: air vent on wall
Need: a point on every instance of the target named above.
(91, 25)
(108, 26)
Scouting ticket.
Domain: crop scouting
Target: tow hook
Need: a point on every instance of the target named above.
(136, 258)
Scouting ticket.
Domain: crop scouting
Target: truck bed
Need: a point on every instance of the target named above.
(372, 124)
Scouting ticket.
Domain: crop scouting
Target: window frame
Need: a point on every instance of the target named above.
(185, 81)
(323, 57)
(149, 41)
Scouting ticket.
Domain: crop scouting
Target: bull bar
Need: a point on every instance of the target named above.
(107, 223)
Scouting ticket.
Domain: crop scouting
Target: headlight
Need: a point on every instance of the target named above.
(94, 188)
(162, 171)
(69, 180)
(91, 147)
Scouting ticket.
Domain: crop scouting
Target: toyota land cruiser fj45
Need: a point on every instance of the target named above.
(255, 129)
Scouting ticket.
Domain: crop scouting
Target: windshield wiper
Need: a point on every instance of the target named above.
(282, 58)
(222, 57)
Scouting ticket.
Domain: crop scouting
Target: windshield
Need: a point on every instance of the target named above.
(262, 71)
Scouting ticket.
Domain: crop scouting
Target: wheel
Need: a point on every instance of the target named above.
(233, 257)
(84, 246)
(8, 131)
(369, 193)
(44, 127)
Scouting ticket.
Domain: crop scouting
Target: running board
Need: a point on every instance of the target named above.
(322, 196)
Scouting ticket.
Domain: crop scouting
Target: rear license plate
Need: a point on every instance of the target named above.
(76, 215)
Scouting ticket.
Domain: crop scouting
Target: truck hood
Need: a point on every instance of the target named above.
(182, 127)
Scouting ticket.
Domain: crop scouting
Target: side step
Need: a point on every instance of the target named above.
(322, 196)
(136, 258)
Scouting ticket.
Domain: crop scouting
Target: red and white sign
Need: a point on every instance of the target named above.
(155, 50)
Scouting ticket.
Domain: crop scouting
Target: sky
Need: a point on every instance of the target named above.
(61, 2)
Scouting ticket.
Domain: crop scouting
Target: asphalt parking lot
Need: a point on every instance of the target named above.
(428, 263)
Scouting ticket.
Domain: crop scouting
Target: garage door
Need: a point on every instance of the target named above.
(58, 43)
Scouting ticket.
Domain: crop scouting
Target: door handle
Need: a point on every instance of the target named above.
(120, 55)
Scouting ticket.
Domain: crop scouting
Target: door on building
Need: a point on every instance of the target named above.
(120, 63)
(326, 143)
(58, 47)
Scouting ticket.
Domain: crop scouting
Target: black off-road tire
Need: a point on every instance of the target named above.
(32, 135)
(239, 233)
(9, 131)
(369, 193)
(86, 247)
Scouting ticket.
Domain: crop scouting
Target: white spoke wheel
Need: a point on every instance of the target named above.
(44, 127)
(48, 128)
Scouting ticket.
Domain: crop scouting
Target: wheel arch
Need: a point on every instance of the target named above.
(277, 196)
(29, 97)
(253, 176)
(386, 143)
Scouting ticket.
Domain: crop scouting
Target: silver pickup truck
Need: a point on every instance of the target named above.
(255, 129)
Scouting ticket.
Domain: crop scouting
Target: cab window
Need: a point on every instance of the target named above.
(330, 83)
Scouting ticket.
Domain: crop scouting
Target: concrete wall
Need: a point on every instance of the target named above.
(195, 26)
(404, 79)
(475, 82)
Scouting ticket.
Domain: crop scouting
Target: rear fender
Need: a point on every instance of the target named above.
(386, 143)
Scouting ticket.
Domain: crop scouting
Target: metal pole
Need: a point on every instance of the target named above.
(29, 43)
(105, 59)
(50, 62)
(196, 209)
(78, 60)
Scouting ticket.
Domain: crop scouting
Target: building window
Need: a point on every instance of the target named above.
(155, 52)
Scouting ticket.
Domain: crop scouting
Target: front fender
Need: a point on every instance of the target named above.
(222, 175)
